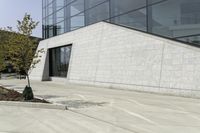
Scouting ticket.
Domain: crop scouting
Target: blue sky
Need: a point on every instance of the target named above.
(13, 10)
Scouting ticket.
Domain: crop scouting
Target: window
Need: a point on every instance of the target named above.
(77, 21)
(191, 39)
(60, 4)
(49, 1)
(51, 31)
(49, 9)
(44, 12)
(92, 3)
(155, 1)
(123, 6)
(69, 1)
(59, 59)
(98, 13)
(50, 20)
(60, 28)
(175, 18)
(136, 19)
(43, 3)
(76, 7)
(190, 13)
(60, 15)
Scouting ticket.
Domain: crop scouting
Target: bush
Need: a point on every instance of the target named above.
(28, 93)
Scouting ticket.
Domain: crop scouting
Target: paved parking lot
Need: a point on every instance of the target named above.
(100, 110)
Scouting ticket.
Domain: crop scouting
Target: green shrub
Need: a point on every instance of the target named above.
(28, 93)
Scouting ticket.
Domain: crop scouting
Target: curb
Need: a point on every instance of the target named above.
(34, 105)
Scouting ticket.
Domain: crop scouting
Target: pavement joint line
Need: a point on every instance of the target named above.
(34, 105)
(137, 115)
(104, 121)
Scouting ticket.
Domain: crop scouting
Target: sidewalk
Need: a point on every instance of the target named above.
(101, 110)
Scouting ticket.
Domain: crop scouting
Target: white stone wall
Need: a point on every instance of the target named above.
(38, 72)
(112, 56)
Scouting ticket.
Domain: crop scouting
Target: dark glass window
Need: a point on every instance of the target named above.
(44, 22)
(77, 21)
(50, 20)
(190, 13)
(50, 31)
(60, 15)
(175, 18)
(43, 3)
(136, 19)
(76, 7)
(92, 3)
(123, 6)
(60, 28)
(69, 1)
(49, 1)
(49, 9)
(98, 13)
(191, 39)
(59, 61)
(44, 12)
(155, 1)
(60, 4)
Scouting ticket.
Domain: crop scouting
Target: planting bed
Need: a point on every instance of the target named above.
(12, 95)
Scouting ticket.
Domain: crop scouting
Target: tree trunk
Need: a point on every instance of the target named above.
(27, 75)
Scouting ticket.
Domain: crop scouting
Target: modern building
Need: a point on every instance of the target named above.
(144, 45)
(177, 19)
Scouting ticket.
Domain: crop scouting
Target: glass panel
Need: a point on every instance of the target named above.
(49, 9)
(91, 3)
(155, 1)
(175, 18)
(44, 22)
(44, 12)
(47, 32)
(51, 31)
(122, 6)
(60, 15)
(60, 4)
(59, 61)
(191, 39)
(69, 1)
(77, 21)
(190, 13)
(60, 28)
(49, 1)
(98, 13)
(43, 3)
(44, 33)
(50, 20)
(136, 19)
(76, 7)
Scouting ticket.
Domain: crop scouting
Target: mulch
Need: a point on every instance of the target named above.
(12, 95)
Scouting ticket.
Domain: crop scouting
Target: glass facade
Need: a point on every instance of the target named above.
(177, 19)
(59, 61)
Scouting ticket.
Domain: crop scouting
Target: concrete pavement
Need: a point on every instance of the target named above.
(100, 110)
(27, 120)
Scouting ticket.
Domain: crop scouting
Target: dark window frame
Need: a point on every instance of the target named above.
(51, 62)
